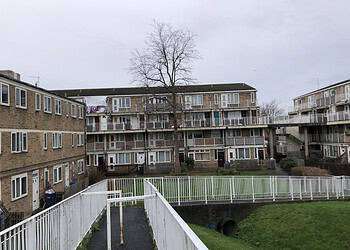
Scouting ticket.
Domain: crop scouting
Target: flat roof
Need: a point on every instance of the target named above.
(38, 88)
(323, 88)
(153, 90)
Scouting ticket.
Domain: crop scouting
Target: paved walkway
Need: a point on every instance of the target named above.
(137, 233)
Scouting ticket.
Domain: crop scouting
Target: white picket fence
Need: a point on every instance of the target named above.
(205, 189)
(170, 231)
(61, 226)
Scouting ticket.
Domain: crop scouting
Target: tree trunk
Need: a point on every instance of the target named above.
(177, 167)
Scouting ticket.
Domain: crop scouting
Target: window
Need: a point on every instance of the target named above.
(37, 101)
(163, 156)
(202, 155)
(80, 166)
(88, 160)
(46, 178)
(19, 186)
(80, 140)
(242, 153)
(233, 98)
(47, 104)
(72, 138)
(45, 141)
(58, 107)
(4, 94)
(252, 97)
(56, 140)
(73, 111)
(123, 158)
(21, 98)
(19, 142)
(57, 174)
(216, 99)
(197, 100)
(80, 112)
(121, 103)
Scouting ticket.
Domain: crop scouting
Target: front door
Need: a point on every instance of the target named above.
(66, 175)
(35, 186)
(221, 159)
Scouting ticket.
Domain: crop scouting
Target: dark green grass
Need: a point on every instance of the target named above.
(217, 241)
(312, 225)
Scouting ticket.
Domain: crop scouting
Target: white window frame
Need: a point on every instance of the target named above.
(73, 111)
(81, 112)
(18, 102)
(124, 162)
(57, 139)
(8, 94)
(167, 156)
(80, 166)
(46, 180)
(37, 102)
(58, 107)
(45, 141)
(14, 187)
(197, 100)
(252, 97)
(47, 104)
(18, 142)
(57, 174)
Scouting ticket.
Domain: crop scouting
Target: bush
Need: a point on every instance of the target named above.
(288, 163)
(309, 171)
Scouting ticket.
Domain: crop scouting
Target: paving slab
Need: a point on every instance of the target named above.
(137, 232)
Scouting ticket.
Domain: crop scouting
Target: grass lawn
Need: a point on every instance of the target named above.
(312, 225)
(215, 240)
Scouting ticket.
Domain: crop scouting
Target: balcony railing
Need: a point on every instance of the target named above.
(328, 138)
(323, 102)
(205, 142)
(95, 146)
(165, 143)
(159, 125)
(245, 141)
(125, 145)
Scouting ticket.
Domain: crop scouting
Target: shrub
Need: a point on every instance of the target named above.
(288, 163)
(309, 171)
(189, 163)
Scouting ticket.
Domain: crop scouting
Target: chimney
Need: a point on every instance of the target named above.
(11, 74)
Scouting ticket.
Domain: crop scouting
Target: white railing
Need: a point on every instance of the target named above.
(61, 226)
(170, 231)
(200, 189)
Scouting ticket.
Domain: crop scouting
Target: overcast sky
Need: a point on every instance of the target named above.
(282, 48)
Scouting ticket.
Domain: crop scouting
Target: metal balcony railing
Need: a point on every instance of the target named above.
(204, 142)
(245, 141)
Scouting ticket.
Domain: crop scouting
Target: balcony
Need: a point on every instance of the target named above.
(125, 145)
(205, 142)
(95, 146)
(159, 125)
(165, 143)
(242, 121)
(327, 138)
(245, 141)
(197, 123)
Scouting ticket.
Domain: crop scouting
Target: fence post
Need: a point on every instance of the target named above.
(319, 185)
(253, 189)
(134, 192)
(273, 188)
(291, 188)
(300, 194)
(233, 187)
(311, 197)
(327, 189)
(212, 187)
(163, 186)
(342, 186)
(230, 190)
(109, 243)
(178, 191)
(189, 187)
(205, 190)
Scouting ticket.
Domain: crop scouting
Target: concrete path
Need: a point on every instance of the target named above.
(137, 233)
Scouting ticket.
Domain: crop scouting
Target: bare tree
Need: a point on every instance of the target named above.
(166, 62)
(271, 109)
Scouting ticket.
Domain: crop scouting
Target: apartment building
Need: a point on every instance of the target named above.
(129, 128)
(41, 144)
(328, 132)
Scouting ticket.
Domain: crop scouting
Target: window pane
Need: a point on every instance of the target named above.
(13, 188)
(24, 185)
(18, 189)
(4, 94)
